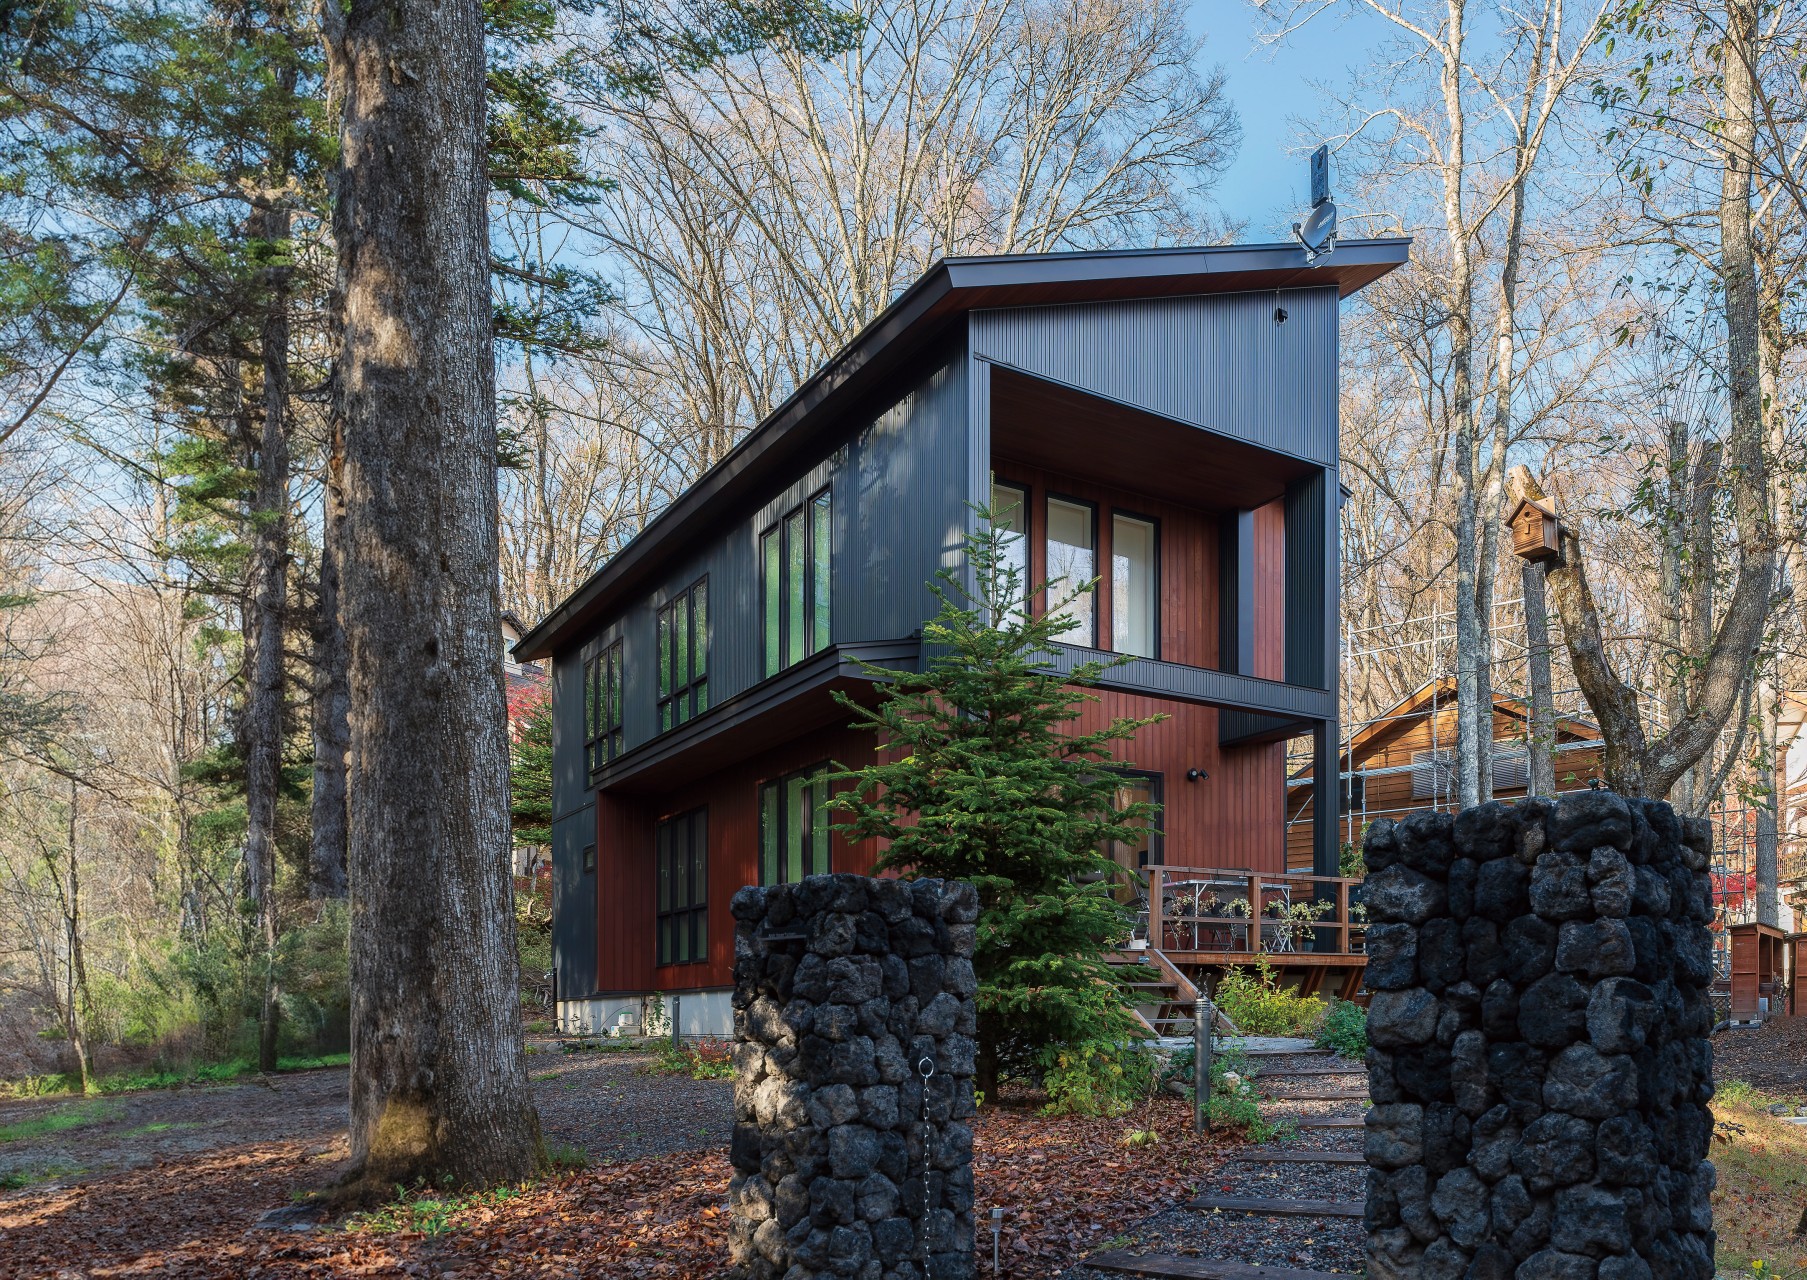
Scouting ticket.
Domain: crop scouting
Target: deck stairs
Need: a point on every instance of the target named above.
(1166, 1001)
(1322, 1095)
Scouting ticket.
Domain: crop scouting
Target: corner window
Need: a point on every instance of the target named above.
(684, 656)
(1135, 565)
(794, 827)
(682, 851)
(1072, 563)
(796, 556)
(602, 707)
(1010, 512)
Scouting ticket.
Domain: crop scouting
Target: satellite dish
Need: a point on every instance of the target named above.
(1318, 232)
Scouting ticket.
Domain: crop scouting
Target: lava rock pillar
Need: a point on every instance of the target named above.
(1540, 1068)
(853, 1067)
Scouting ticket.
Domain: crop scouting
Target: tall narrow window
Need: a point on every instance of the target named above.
(796, 559)
(1134, 573)
(1010, 512)
(602, 707)
(794, 827)
(684, 656)
(1072, 560)
(681, 847)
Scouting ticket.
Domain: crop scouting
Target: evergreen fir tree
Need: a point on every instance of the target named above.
(983, 777)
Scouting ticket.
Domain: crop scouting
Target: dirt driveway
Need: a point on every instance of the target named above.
(597, 1103)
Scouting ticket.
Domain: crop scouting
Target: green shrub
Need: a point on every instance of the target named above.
(700, 1060)
(1345, 1028)
(1259, 1006)
(1096, 1078)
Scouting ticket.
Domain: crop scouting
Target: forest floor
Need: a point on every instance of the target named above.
(1772, 1057)
(173, 1183)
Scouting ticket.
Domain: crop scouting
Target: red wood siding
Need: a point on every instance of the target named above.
(1270, 591)
(625, 896)
(1231, 818)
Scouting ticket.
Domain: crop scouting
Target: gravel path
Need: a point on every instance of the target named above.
(598, 1102)
(1315, 1244)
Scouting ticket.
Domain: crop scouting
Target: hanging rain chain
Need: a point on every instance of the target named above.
(926, 1069)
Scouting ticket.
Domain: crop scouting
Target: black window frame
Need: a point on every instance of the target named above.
(1047, 560)
(816, 605)
(1111, 577)
(680, 702)
(603, 737)
(775, 837)
(589, 858)
(686, 940)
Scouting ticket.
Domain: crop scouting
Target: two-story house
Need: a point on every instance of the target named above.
(1163, 420)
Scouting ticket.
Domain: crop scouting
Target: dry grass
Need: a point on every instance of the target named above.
(1762, 1197)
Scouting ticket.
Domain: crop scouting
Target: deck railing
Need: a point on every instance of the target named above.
(1241, 912)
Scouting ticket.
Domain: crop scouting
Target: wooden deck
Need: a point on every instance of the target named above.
(1205, 920)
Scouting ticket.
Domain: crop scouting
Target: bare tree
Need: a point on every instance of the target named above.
(1637, 762)
(774, 203)
(1483, 185)
(439, 1084)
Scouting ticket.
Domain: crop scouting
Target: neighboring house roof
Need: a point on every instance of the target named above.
(920, 316)
(1429, 698)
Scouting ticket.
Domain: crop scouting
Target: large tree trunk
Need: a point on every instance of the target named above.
(266, 681)
(439, 1084)
(1473, 758)
(331, 696)
(1634, 763)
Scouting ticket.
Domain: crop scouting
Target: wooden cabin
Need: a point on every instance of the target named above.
(1761, 972)
(1404, 760)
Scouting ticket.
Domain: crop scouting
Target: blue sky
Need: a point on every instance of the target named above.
(1271, 87)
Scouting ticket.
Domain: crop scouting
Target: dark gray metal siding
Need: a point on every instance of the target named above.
(1219, 362)
(573, 827)
(900, 483)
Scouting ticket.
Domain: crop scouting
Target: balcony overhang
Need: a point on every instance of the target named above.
(796, 700)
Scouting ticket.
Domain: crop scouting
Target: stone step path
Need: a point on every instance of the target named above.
(1266, 1155)
(1279, 1210)
(1122, 1262)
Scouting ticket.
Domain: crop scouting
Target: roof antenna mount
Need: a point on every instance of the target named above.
(1317, 234)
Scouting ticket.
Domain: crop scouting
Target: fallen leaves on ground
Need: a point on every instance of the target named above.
(1067, 1186)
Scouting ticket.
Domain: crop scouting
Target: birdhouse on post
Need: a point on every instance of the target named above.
(1534, 531)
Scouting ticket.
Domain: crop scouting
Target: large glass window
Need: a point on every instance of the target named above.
(602, 707)
(1134, 566)
(1072, 562)
(1010, 511)
(796, 560)
(794, 827)
(684, 656)
(682, 850)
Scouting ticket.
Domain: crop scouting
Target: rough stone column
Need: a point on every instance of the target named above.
(848, 1161)
(1540, 1066)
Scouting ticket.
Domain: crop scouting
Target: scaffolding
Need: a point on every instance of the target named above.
(1405, 672)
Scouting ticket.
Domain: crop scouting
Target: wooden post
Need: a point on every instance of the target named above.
(1203, 1015)
(1254, 938)
(1155, 894)
(1342, 915)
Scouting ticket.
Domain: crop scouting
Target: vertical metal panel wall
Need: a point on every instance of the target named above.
(1223, 362)
(900, 476)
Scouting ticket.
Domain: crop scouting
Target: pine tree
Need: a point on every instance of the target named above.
(982, 777)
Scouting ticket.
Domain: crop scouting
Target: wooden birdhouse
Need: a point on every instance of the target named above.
(1534, 531)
